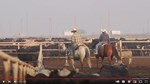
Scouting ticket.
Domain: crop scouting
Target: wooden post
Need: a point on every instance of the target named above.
(18, 45)
(120, 48)
(24, 72)
(32, 71)
(116, 45)
(20, 72)
(15, 71)
(40, 59)
(19, 69)
(7, 66)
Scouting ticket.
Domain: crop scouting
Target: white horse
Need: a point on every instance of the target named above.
(81, 53)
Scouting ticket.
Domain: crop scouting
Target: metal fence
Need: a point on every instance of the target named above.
(137, 47)
(19, 69)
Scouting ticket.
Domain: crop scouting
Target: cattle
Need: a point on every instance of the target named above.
(29, 79)
(126, 55)
(55, 76)
(114, 71)
(56, 49)
(28, 54)
(40, 77)
(146, 52)
(66, 76)
(139, 48)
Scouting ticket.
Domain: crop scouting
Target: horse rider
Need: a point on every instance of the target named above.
(76, 40)
(103, 39)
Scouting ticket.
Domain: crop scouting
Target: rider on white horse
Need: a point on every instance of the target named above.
(103, 39)
(76, 39)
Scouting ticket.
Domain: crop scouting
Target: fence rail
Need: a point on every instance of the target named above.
(18, 68)
(119, 45)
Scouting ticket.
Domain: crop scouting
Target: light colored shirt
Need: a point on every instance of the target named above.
(76, 39)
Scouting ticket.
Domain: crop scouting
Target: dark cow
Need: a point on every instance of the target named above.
(39, 78)
(137, 45)
(55, 50)
(65, 76)
(111, 71)
(28, 54)
(55, 77)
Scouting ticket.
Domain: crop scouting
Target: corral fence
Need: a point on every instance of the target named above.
(14, 69)
(48, 48)
(19, 69)
(138, 48)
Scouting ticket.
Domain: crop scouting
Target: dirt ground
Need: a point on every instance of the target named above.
(140, 67)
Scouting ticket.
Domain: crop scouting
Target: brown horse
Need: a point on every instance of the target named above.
(107, 50)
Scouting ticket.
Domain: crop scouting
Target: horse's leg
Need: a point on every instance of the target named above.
(110, 56)
(109, 59)
(130, 60)
(116, 60)
(88, 57)
(119, 61)
(81, 65)
(102, 59)
(97, 60)
(89, 62)
(67, 58)
(81, 61)
(72, 62)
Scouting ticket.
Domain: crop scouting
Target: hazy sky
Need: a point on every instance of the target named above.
(52, 17)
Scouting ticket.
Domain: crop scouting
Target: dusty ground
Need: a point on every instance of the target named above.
(140, 67)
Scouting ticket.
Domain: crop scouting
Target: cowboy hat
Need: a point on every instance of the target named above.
(74, 30)
(103, 30)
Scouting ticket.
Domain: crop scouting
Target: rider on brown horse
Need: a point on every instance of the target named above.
(103, 39)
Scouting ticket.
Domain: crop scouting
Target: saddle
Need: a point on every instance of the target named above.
(77, 47)
(102, 45)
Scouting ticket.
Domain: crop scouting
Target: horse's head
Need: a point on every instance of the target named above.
(62, 46)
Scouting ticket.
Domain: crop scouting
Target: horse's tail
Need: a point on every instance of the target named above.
(87, 50)
(88, 56)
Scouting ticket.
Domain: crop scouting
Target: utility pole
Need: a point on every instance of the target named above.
(21, 26)
(109, 21)
(75, 22)
(27, 25)
(147, 26)
(50, 26)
